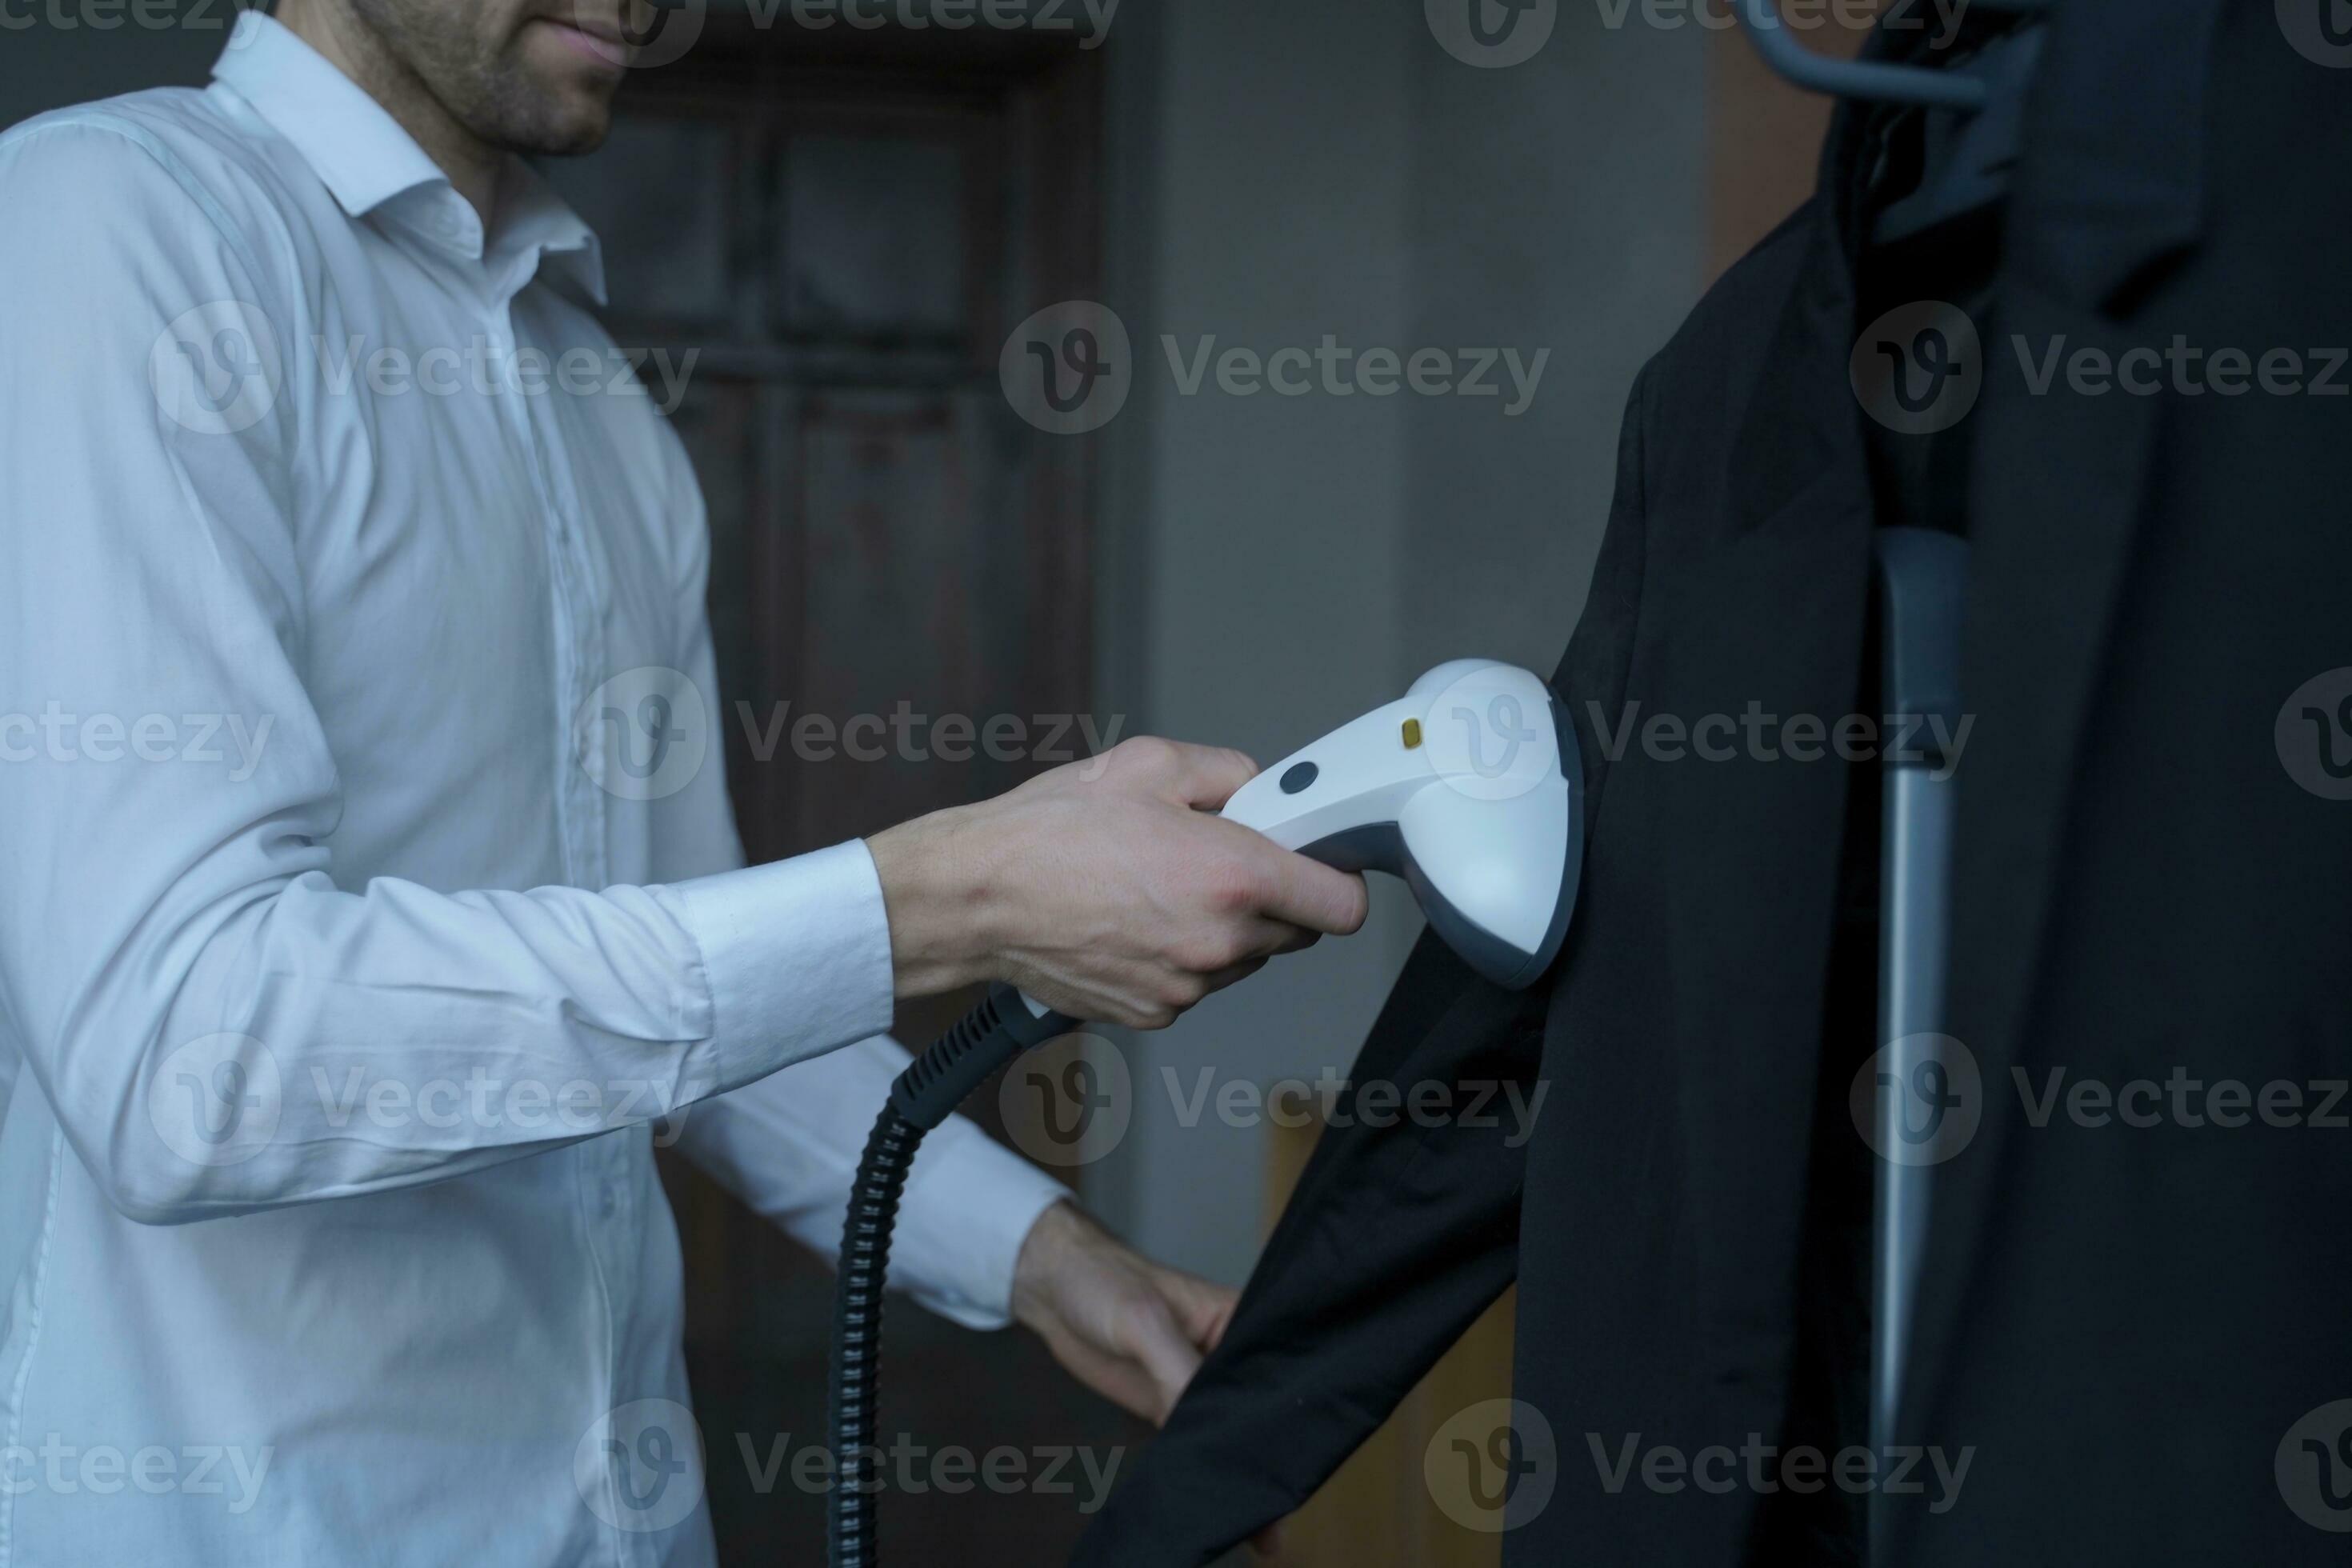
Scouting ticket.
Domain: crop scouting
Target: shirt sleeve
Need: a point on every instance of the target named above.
(789, 1144)
(189, 987)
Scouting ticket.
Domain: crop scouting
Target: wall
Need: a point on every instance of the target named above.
(1275, 565)
(43, 66)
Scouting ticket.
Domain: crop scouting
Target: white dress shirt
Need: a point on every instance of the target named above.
(368, 887)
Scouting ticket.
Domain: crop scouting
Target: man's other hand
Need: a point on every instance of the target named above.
(1132, 1329)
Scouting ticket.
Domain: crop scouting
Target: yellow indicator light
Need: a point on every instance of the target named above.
(1412, 734)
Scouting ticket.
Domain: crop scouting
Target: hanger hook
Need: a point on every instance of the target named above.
(1873, 80)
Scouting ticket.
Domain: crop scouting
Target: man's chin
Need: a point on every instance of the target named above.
(555, 119)
(572, 135)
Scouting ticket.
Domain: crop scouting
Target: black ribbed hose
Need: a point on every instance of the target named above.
(926, 1094)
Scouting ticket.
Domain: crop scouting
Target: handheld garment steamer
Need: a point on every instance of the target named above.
(1469, 787)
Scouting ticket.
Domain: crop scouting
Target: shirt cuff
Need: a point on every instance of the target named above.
(795, 955)
(970, 1205)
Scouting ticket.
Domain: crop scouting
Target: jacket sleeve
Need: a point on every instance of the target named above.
(1402, 1230)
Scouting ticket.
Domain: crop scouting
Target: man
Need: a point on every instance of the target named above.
(325, 879)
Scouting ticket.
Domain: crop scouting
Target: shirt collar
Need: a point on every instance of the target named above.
(532, 217)
(365, 160)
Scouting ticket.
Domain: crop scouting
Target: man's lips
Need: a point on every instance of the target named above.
(593, 37)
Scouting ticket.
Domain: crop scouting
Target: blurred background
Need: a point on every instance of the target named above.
(848, 227)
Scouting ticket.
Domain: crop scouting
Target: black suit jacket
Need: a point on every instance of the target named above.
(2124, 1323)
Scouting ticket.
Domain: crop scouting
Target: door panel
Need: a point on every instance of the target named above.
(842, 229)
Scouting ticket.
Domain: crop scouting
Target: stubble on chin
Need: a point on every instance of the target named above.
(494, 89)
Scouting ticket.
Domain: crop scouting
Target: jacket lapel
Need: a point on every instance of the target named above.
(1773, 622)
(2108, 192)
(1772, 619)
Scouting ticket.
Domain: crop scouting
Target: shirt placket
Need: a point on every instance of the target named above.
(606, 1167)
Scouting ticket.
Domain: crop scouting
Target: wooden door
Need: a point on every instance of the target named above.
(843, 227)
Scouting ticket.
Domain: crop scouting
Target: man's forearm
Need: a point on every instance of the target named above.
(1110, 893)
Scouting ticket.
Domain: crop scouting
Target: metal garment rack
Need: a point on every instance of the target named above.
(1974, 134)
(1920, 582)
